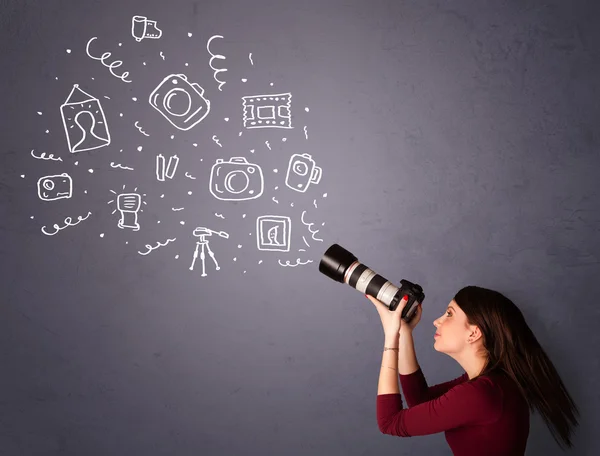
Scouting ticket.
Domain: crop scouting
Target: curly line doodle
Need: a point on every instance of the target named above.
(309, 225)
(158, 244)
(275, 200)
(305, 132)
(113, 165)
(43, 156)
(315, 203)
(189, 175)
(215, 139)
(67, 223)
(250, 57)
(219, 215)
(106, 55)
(140, 128)
(298, 262)
(175, 209)
(215, 56)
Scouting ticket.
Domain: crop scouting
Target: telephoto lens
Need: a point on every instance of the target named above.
(342, 266)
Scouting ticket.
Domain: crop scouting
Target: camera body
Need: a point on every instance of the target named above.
(302, 171)
(182, 103)
(58, 186)
(236, 180)
(342, 266)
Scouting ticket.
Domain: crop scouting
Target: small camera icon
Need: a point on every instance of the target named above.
(236, 180)
(302, 172)
(55, 187)
(182, 103)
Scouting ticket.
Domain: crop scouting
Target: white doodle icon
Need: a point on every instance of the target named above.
(169, 170)
(202, 233)
(302, 171)
(236, 180)
(129, 204)
(182, 103)
(273, 233)
(142, 27)
(84, 121)
(267, 111)
(58, 186)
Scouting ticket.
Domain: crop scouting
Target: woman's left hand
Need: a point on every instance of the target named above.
(390, 319)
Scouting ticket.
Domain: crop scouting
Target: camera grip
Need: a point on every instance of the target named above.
(316, 175)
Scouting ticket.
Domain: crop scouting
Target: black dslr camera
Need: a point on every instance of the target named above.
(342, 266)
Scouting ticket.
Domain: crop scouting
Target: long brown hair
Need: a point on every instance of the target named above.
(511, 347)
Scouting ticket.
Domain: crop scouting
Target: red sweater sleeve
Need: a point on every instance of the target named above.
(416, 391)
(468, 403)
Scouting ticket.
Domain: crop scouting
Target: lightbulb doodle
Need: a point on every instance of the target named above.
(129, 205)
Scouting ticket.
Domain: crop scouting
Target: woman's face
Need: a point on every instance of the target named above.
(453, 330)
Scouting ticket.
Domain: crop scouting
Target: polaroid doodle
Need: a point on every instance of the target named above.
(59, 186)
(273, 233)
(182, 103)
(267, 111)
(302, 171)
(236, 180)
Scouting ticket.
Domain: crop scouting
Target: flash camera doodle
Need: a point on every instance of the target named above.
(182, 103)
(302, 172)
(267, 111)
(142, 27)
(236, 180)
(58, 186)
(129, 205)
(273, 233)
(84, 121)
(202, 233)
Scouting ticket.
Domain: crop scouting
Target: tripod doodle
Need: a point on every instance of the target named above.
(201, 233)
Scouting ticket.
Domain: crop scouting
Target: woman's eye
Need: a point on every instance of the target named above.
(448, 313)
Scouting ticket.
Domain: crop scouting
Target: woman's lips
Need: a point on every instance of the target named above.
(436, 335)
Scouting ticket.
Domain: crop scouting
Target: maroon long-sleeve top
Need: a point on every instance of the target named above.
(486, 415)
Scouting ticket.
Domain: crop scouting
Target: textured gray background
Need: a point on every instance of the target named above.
(459, 145)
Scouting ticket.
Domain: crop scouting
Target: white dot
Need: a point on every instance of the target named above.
(284, 139)
(189, 34)
(134, 98)
(260, 262)
(244, 79)
(56, 78)
(172, 136)
(234, 259)
(76, 163)
(120, 150)
(195, 145)
(120, 114)
(244, 272)
(143, 63)
(32, 217)
(239, 246)
(324, 195)
(182, 222)
(162, 196)
(101, 234)
(275, 170)
(176, 256)
(85, 191)
(158, 221)
(201, 159)
(47, 131)
(271, 84)
(186, 64)
(249, 234)
(126, 242)
(276, 187)
(226, 119)
(243, 215)
(22, 176)
(91, 170)
(92, 79)
(190, 192)
(139, 148)
(68, 51)
(306, 109)
(323, 224)
(252, 150)
(120, 44)
(39, 113)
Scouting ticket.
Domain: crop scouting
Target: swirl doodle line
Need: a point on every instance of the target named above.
(215, 56)
(215, 139)
(220, 216)
(309, 225)
(67, 223)
(250, 57)
(177, 209)
(106, 55)
(43, 156)
(113, 165)
(158, 244)
(298, 262)
(140, 128)
(189, 175)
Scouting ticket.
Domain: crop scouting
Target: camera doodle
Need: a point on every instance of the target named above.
(85, 112)
(267, 111)
(273, 233)
(59, 186)
(302, 172)
(236, 180)
(182, 103)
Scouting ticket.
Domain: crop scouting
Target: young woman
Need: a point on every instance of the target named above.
(485, 410)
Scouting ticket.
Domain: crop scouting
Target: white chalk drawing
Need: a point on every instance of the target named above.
(202, 233)
(309, 225)
(162, 55)
(250, 57)
(305, 132)
(219, 215)
(267, 111)
(140, 129)
(215, 56)
(110, 66)
(302, 172)
(298, 262)
(169, 170)
(273, 233)
(182, 103)
(129, 205)
(304, 239)
(158, 244)
(215, 139)
(118, 165)
(85, 112)
(275, 200)
(42, 156)
(268, 145)
(55, 187)
(236, 180)
(142, 27)
(189, 176)
(176, 209)
(67, 223)
(315, 203)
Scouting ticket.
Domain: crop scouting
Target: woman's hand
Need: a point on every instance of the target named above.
(390, 319)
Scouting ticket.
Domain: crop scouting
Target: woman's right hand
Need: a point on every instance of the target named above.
(404, 326)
